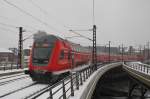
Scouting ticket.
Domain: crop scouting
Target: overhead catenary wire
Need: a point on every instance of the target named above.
(27, 13)
(30, 27)
(47, 14)
(28, 37)
(37, 19)
(80, 35)
(84, 30)
(13, 26)
(5, 29)
(8, 25)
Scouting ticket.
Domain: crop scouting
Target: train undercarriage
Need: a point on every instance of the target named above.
(46, 77)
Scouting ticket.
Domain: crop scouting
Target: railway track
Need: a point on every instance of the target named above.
(26, 92)
(22, 88)
(38, 93)
(30, 91)
(15, 75)
(12, 80)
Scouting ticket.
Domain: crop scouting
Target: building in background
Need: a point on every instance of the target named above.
(14, 50)
(7, 56)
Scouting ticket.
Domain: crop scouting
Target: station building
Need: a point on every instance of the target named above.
(6, 56)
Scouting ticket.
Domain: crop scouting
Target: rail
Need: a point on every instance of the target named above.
(144, 68)
(68, 85)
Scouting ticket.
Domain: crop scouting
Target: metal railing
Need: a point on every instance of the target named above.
(8, 66)
(68, 85)
(144, 68)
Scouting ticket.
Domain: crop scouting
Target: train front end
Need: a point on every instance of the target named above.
(40, 64)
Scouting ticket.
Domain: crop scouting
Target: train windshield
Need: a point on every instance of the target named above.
(41, 54)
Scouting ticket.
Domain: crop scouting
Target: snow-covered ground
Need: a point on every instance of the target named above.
(14, 86)
(32, 89)
(14, 70)
(17, 84)
(9, 76)
(25, 92)
(13, 77)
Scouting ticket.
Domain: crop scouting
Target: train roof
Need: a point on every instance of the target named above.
(48, 38)
(53, 38)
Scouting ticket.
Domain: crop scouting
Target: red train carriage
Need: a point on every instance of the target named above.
(52, 57)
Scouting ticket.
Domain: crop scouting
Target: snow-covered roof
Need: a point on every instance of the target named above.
(5, 50)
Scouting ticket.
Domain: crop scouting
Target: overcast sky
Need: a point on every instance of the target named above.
(118, 21)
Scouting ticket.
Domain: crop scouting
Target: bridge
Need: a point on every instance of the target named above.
(132, 77)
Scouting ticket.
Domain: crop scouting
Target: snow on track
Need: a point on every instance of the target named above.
(25, 92)
(13, 78)
(14, 86)
(10, 76)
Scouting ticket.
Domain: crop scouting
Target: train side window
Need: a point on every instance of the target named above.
(69, 55)
(62, 54)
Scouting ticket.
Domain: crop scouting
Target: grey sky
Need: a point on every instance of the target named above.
(119, 21)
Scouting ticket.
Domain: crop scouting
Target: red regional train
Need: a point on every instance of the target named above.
(52, 57)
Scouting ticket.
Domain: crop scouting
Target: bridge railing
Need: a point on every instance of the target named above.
(144, 68)
(68, 85)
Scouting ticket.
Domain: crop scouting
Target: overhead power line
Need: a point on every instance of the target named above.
(8, 25)
(37, 6)
(37, 19)
(27, 13)
(5, 29)
(84, 30)
(28, 37)
(81, 35)
(47, 14)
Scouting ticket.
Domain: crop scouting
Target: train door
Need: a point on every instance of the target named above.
(72, 60)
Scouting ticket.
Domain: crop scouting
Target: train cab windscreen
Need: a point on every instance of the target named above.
(41, 53)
